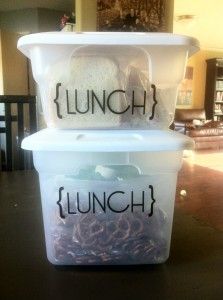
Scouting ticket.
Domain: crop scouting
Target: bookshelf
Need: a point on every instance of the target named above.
(214, 89)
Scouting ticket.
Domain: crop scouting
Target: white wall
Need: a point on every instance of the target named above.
(49, 20)
(25, 20)
(31, 20)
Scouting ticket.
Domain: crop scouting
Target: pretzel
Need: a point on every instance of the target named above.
(111, 239)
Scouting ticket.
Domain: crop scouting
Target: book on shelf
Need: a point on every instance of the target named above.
(219, 85)
(218, 107)
(219, 96)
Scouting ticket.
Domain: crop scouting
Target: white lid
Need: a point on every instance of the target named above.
(107, 141)
(107, 38)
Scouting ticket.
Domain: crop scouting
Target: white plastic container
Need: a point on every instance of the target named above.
(108, 80)
(107, 198)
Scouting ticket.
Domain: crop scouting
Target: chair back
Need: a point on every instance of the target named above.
(17, 120)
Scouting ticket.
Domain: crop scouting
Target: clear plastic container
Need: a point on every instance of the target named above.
(107, 198)
(108, 80)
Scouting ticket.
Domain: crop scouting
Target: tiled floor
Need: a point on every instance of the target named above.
(201, 179)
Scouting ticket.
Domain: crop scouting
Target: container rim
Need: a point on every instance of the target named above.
(107, 141)
(107, 38)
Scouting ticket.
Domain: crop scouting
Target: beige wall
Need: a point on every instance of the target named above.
(169, 11)
(206, 27)
(14, 68)
(198, 62)
(207, 24)
(86, 16)
(1, 68)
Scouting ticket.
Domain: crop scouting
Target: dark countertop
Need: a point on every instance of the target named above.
(193, 271)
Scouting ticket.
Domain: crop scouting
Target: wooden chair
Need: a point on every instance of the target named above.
(26, 124)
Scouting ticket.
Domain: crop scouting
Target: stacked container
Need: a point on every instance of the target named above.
(107, 162)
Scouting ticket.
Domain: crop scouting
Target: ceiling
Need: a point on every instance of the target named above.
(206, 24)
(63, 5)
